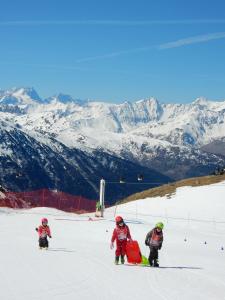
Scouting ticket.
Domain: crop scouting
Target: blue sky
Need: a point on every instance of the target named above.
(115, 50)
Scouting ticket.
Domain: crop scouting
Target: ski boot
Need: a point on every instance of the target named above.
(122, 259)
(156, 264)
(117, 260)
(150, 262)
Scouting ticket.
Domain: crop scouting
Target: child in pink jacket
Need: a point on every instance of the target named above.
(44, 232)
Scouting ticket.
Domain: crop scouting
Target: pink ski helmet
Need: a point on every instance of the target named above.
(44, 220)
(119, 220)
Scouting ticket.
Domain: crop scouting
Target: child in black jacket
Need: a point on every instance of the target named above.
(154, 240)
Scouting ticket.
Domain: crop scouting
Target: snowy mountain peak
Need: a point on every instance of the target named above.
(27, 91)
(20, 96)
(150, 100)
(65, 98)
(151, 107)
(201, 101)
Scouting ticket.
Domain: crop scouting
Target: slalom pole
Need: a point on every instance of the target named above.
(102, 196)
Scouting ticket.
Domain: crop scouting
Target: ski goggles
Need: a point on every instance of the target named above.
(120, 223)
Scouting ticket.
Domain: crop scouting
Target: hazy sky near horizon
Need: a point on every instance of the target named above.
(116, 50)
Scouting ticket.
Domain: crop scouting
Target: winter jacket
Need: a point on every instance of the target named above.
(154, 238)
(44, 231)
(121, 233)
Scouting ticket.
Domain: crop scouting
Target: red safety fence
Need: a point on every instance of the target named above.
(48, 198)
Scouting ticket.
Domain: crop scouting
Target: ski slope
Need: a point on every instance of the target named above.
(80, 265)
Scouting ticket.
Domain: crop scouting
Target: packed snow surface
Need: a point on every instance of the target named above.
(80, 265)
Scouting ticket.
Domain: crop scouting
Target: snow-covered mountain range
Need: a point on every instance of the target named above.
(175, 139)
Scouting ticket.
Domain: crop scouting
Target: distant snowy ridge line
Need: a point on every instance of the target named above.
(191, 124)
(165, 137)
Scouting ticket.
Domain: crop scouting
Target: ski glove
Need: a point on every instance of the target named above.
(111, 246)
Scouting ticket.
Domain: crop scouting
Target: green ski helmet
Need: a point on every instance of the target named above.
(159, 225)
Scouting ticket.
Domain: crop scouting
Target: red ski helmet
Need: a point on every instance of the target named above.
(118, 219)
(44, 220)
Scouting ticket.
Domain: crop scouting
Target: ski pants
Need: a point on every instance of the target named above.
(43, 242)
(153, 256)
(121, 247)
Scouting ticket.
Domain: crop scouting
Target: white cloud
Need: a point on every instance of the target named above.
(111, 22)
(175, 44)
(114, 54)
(193, 40)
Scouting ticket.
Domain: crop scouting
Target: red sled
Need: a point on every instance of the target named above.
(133, 252)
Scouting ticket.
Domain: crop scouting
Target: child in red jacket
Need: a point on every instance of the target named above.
(121, 234)
(43, 232)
